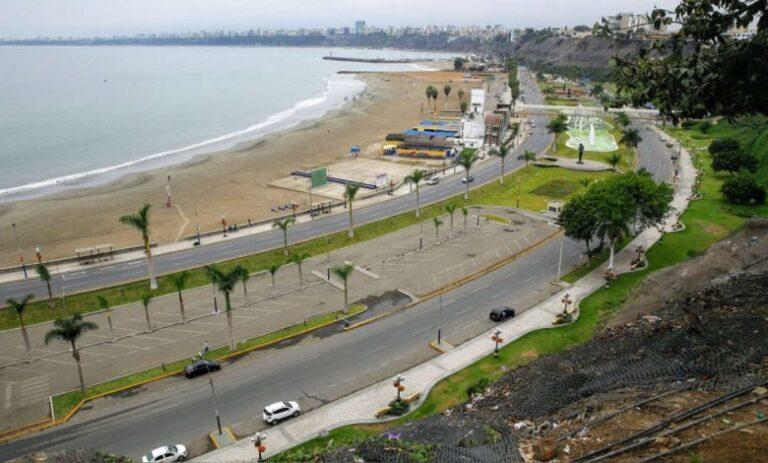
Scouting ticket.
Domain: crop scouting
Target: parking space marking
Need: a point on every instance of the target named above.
(127, 346)
(184, 331)
(8, 392)
(60, 362)
(91, 352)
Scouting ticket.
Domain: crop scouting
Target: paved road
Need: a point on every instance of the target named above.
(93, 278)
(325, 368)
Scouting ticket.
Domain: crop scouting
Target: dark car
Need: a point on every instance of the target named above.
(201, 367)
(500, 314)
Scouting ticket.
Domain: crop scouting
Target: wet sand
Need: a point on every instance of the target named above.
(233, 183)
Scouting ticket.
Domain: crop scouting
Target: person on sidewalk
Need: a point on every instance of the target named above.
(206, 347)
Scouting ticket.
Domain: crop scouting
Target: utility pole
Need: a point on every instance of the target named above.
(18, 247)
(560, 259)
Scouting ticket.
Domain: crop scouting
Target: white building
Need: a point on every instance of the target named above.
(477, 101)
(473, 123)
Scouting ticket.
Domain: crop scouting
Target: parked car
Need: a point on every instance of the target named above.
(433, 181)
(280, 411)
(468, 179)
(201, 367)
(165, 454)
(500, 314)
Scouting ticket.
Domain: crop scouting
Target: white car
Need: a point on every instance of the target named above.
(166, 453)
(433, 181)
(279, 411)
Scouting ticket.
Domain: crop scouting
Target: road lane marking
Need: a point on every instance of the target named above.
(375, 350)
(464, 311)
(419, 331)
(529, 279)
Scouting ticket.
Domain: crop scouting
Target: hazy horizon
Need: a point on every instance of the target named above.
(87, 18)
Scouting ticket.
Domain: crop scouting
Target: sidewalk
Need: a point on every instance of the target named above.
(361, 406)
(385, 264)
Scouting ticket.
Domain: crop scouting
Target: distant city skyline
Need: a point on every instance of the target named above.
(89, 18)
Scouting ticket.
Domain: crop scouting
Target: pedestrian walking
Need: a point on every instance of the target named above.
(206, 347)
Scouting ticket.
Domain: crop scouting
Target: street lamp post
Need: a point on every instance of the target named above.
(258, 440)
(496, 338)
(328, 256)
(18, 247)
(398, 384)
(421, 235)
(560, 259)
(566, 300)
(215, 302)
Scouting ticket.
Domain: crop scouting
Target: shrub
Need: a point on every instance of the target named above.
(398, 407)
(704, 126)
(724, 144)
(478, 387)
(743, 189)
(734, 161)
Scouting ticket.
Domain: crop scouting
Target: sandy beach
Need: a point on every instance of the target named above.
(233, 183)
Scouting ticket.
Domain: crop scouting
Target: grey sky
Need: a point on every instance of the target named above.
(30, 18)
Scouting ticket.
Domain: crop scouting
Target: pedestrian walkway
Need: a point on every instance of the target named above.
(362, 406)
(383, 265)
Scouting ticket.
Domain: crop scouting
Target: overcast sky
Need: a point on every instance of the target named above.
(30, 18)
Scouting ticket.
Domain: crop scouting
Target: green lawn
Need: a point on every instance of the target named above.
(64, 403)
(707, 221)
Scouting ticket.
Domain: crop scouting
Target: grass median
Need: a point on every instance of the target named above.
(707, 220)
(65, 403)
(519, 184)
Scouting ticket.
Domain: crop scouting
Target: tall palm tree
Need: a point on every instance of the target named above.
(45, 275)
(460, 94)
(435, 94)
(344, 271)
(140, 221)
(272, 272)
(104, 305)
(465, 211)
(350, 192)
(614, 160)
(145, 299)
(630, 138)
(504, 150)
(69, 330)
(244, 277)
(528, 156)
(467, 159)
(614, 229)
(447, 91)
(298, 259)
(415, 177)
(437, 223)
(20, 306)
(428, 92)
(558, 125)
(450, 209)
(179, 282)
(283, 225)
(226, 282)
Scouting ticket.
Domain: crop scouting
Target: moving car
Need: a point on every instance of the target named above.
(165, 454)
(201, 367)
(433, 181)
(500, 314)
(468, 179)
(279, 411)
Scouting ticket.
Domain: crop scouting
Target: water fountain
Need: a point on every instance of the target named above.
(589, 130)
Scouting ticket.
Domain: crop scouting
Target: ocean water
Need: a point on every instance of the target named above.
(83, 116)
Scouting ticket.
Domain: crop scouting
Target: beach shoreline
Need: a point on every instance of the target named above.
(232, 183)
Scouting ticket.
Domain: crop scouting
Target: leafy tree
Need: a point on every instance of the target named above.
(734, 161)
(298, 259)
(597, 90)
(579, 219)
(45, 276)
(415, 177)
(69, 330)
(283, 225)
(558, 125)
(140, 221)
(699, 71)
(344, 272)
(467, 159)
(458, 63)
(179, 282)
(437, 223)
(743, 189)
(20, 306)
(104, 305)
(350, 192)
(225, 281)
(145, 299)
(724, 144)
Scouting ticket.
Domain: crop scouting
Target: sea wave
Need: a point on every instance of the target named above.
(338, 89)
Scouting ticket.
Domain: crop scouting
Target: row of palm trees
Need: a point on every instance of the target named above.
(432, 94)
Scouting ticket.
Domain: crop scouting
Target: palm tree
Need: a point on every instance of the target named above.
(343, 272)
(69, 330)
(179, 282)
(298, 259)
(226, 282)
(272, 272)
(623, 118)
(558, 125)
(437, 223)
(504, 150)
(104, 304)
(244, 277)
(415, 177)
(350, 191)
(428, 92)
(463, 106)
(435, 94)
(20, 307)
(585, 183)
(460, 94)
(450, 209)
(145, 299)
(283, 225)
(614, 229)
(614, 160)
(528, 156)
(45, 275)
(465, 211)
(447, 91)
(140, 221)
(466, 159)
(630, 138)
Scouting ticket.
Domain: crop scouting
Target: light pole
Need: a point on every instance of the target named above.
(213, 391)
(398, 384)
(215, 302)
(328, 256)
(560, 259)
(439, 311)
(258, 440)
(497, 340)
(566, 300)
(18, 247)
(421, 235)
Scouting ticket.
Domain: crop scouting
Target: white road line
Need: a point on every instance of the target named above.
(529, 279)
(498, 294)
(60, 362)
(375, 350)
(464, 311)
(421, 330)
(184, 331)
(536, 262)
